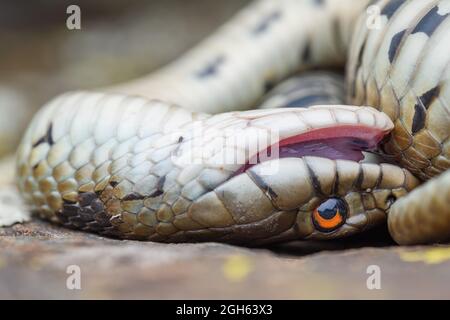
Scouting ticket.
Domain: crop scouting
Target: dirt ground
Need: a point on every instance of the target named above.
(37, 258)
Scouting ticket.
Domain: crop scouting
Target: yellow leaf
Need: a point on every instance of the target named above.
(429, 256)
(237, 267)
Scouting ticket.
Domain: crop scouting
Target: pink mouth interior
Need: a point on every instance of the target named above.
(340, 142)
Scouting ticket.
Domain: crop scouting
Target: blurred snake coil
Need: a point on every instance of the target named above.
(145, 159)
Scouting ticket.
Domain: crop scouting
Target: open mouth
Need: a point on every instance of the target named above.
(342, 142)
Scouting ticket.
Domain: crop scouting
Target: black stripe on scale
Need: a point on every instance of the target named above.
(133, 196)
(47, 138)
(88, 214)
(211, 68)
(359, 180)
(335, 189)
(429, 23)
(262, 185)
(159, 187)
(85, 198)
(391, 7)
(421, 107)
(395, 44)
(264, 25)
(314, 180)
(427, 98)
(419, 119)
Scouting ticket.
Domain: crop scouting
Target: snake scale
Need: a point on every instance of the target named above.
(169, 157)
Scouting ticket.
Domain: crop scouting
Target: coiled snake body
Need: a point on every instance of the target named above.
(146, 160)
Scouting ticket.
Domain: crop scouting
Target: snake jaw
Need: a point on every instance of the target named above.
(234, 142)
(304, 183)
(334, 132)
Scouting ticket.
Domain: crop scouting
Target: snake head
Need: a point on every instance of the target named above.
(316, 188)
(331, 198)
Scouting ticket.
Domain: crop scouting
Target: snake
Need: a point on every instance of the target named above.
(242, 140)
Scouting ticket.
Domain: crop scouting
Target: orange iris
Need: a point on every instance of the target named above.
(328, 224)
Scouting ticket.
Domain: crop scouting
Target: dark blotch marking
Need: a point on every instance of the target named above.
(87, 214)
(160, 183)
(212, 68)
(336, 183)
(395, 43)
(391, 199)
(421, 107)
(418, 119)
(156, 193)
(113, 183)
(360, 179)
(68, 201)
(314, 180)
(269, 85)
(266, 22)
(427, 98)
(306, 54)
(263, 185)
(180, 139)
(159, 187)
(47, 138)
(69, 210)
(133, 196)
(391, 8)
(97, 205)
(430, 22)
(85, 198)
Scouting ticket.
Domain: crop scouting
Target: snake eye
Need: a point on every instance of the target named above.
(330, 215)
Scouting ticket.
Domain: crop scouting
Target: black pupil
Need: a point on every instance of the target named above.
(329, 208)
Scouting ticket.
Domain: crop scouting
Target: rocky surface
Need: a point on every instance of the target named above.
(37, 259)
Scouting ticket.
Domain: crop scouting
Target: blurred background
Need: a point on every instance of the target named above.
(118, 41)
